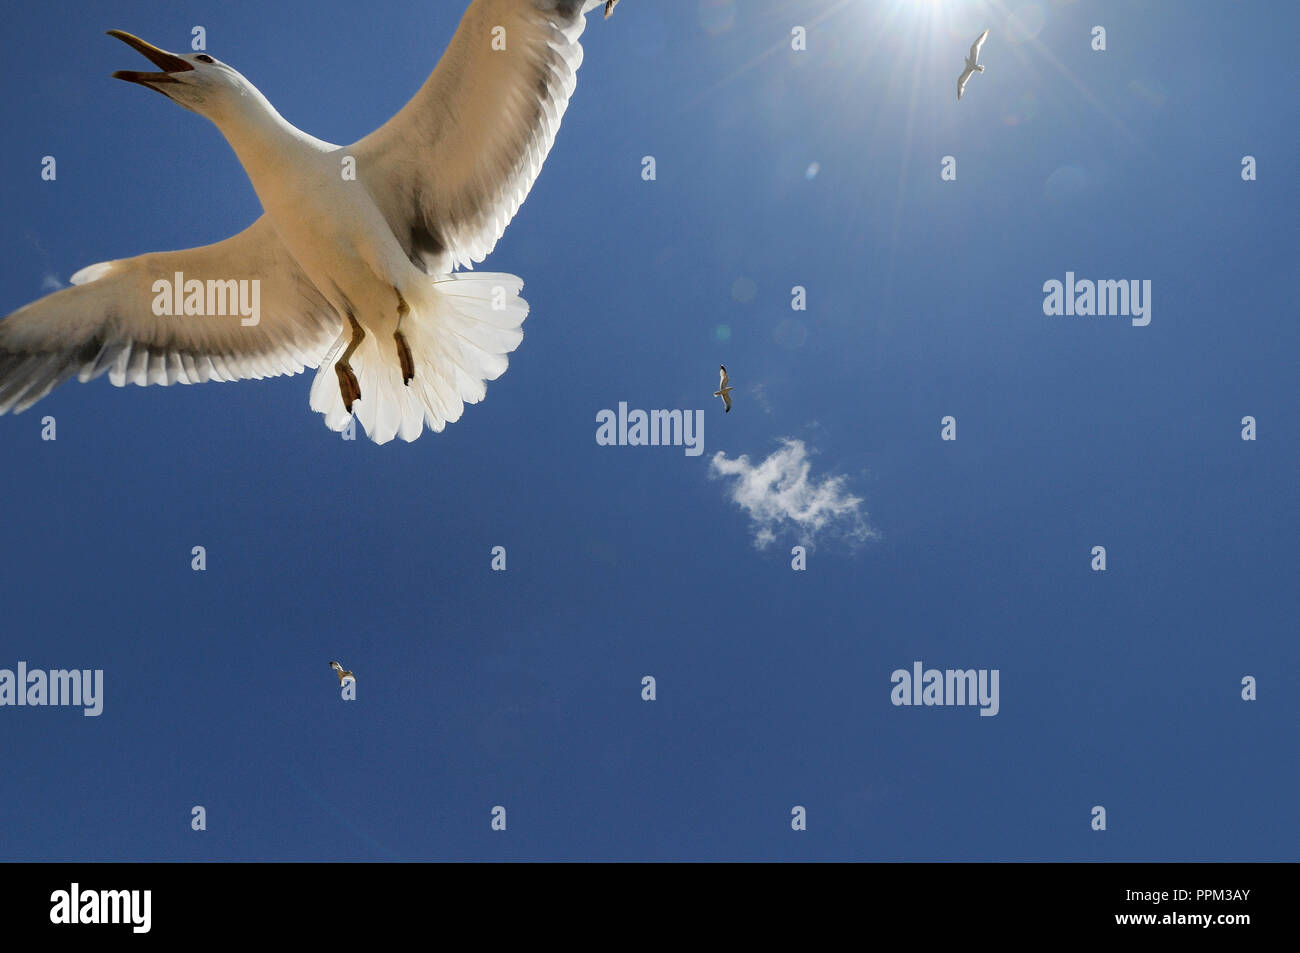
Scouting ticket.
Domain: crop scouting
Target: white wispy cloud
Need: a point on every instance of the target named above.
(51, 282)
(758, 393)
(780, 496)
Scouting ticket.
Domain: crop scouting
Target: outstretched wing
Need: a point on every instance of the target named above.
(106, 322)
(723, 379)
(450, 170)
(726, 399)
(975, 47)
(961, 81)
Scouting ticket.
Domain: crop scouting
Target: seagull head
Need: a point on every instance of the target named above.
(196, 81)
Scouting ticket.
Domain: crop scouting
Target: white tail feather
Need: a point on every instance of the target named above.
(459, 335)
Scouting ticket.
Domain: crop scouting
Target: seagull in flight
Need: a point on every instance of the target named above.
(972, 63)
(342, 673)
(724, 388)
(353, 267)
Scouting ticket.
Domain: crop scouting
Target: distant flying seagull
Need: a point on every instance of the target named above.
(972, 63)
(724, 388)
(351, 267)
(341, 672)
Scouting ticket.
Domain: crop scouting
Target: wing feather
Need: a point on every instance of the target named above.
(105, 323)
(961, 81)
(451, 168)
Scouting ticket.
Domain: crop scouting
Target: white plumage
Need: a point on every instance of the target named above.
(972, 63)
(342, 672)
(433, 190)
(724, 388)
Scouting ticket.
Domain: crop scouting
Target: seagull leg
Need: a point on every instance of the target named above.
(348, 386)
(403, 349)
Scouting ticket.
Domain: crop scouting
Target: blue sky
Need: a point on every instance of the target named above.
(521, 688)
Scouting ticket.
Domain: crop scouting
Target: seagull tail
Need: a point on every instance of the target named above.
(460, 330)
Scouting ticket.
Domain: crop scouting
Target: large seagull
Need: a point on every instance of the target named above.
(353, 263)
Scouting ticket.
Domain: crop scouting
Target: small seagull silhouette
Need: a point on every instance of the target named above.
(609, 7)
(724, 388)
(972, 63)
(341, 672)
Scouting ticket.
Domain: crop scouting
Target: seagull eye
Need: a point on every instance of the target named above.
(204, 58)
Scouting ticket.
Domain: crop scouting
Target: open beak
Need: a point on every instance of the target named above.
(169, 63)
